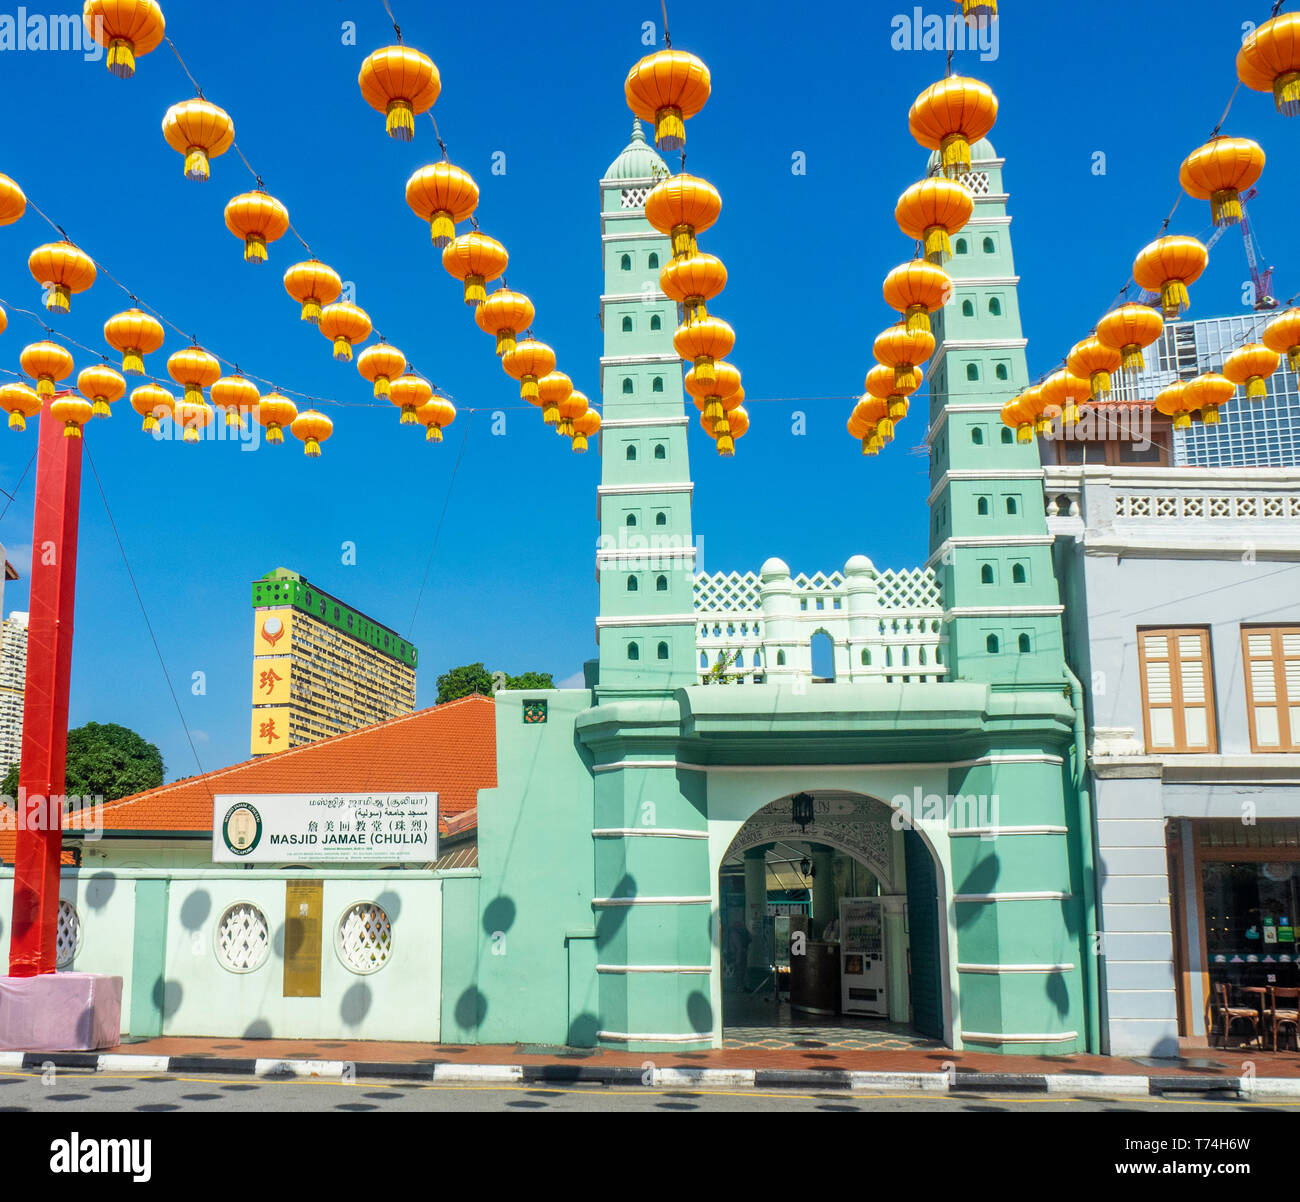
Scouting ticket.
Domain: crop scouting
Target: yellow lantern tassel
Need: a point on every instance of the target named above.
(433, 434)
(232, 417)
(132, 362)
(1183, 421)
(1256, 387)
(408, 417)
(1101, 384)
(45, 387)
(58, 299)
(311, 310)
(670, 129)
(551, 414)
(1025, 433)
(938, 246)
(193, 394)
(401, 121)
(1070, 414)
(343, 350)
(444, 229)
(1225, 207)
(579, 443)
(149, 423)
(565, 428)
(382, 389)
(528, 390)
(898, 408)
(475, 290)
(196, 164)
(726, 446)
(1210, 415)
(71, 431)
(704, 372)
(121, 58)
(191, 434)
(1286, 93)
(1043, 425)
(16, 421)
(694, 309)
(918, 318)
(683, 241)
(907, 378)
(99, 408)
(274, 434)
(1174, 299)
(713, 409)
(871, 446)
(505, 341)
(954, 152)
(885, 428)
(311, 447)
(254, 249)
(1134, 361)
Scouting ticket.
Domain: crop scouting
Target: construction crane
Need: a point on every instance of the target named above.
(1262, 280)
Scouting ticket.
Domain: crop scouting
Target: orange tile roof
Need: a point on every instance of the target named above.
(448, 749)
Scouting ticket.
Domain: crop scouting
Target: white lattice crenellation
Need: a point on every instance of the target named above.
(756, 628)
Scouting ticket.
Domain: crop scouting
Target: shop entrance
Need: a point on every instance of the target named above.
(829, 929)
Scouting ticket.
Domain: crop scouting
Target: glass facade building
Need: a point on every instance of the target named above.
(1250, 433)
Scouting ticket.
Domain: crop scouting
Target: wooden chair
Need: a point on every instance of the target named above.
(1283, 1010)
(1222, 1008)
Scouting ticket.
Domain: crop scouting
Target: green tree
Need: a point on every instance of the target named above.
(463, 681)
(531, 680)
(106, 760)
(475, 678)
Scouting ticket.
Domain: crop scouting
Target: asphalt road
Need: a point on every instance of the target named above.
(78, 1092)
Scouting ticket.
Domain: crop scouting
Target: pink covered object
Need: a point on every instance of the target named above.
(60, 1012)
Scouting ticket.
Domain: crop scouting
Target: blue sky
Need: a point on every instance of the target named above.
(511, 581)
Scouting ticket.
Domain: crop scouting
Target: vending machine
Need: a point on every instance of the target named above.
(863, 978)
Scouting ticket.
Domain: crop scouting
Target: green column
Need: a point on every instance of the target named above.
(148, 959)
(756, 914)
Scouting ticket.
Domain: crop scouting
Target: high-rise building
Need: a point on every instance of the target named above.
(1263, 433)
(321, 668)
(13, 677)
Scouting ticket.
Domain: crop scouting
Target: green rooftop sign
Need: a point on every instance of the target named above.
(283, 587)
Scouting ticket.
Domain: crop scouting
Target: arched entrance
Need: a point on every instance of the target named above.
(830, 929)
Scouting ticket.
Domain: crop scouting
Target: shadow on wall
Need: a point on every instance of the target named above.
(582, 1031)
(195, 910)
(613, 918)
(167, 996)
(699, 1011)
(100, 889)
(356, 1004)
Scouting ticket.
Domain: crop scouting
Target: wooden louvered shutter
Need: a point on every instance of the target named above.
(1272, 657)
(1177, 689)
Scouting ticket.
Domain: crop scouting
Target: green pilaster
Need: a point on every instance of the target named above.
(1016, 889)
(645, 566)
(988, 531)
(148, 959)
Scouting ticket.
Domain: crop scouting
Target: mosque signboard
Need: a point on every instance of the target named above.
(325, 828)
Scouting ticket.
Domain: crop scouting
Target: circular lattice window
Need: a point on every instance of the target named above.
(68, 939)
(243, 938)
(365, 938)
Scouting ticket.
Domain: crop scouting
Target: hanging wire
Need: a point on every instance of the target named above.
(144, 612)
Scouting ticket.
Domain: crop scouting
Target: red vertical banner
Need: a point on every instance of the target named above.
(42, 773)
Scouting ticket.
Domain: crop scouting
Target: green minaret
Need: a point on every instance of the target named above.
(988, 531)
(645, 563)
